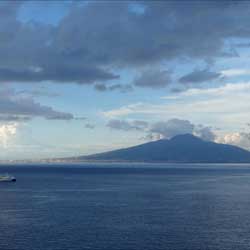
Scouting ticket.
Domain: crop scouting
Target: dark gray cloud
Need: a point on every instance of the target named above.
(33, 56)
(153, 79)
(92, 42)
(38, 92)
(166, 30)
(14, 118)
(51, 114)
(199, 76)
(124, 88)
(89, 126)
(62, 75)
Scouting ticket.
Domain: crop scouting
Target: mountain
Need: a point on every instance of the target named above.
(182, 148)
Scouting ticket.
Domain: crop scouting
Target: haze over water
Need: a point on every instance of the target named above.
(121, 207)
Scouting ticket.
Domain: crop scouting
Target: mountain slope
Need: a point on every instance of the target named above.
(182, 148)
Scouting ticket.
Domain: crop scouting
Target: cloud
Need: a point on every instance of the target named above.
(127, 126)
(92, 42)
(81, 118)
(170, 37)
(243, 45)
(223, 91)
(140, 124)
(33, 55)
(172, 128)
(89, 126)
(240, 139)
(211, 106)
(60, 74)
(206, 133)
(120, 125)
(16, 108)
(235, 72)
(199, 76)
(123, 88)
(153, 79)
(13, 118)
(9, 10)
(163, 129)
(37, 92)
(7, 131)
(125, 110)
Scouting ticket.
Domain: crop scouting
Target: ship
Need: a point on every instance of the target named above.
(7, 178)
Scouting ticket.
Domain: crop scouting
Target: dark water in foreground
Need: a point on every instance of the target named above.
(142, 207)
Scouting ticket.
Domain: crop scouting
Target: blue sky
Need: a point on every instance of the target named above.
(84, 77)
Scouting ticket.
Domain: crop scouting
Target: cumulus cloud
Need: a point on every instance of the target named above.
(241, 139)
(172, 128)
(122, 36)
(34, 55)
(14, 107)
(164, 129)
(204, 132)
(199, 76)
(153, 79)
(7, 131)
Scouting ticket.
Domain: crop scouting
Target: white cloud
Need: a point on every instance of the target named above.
(225, 90)
(235, 72)
(6, 132)
(125, 110)
(226, 107)
(240, 139)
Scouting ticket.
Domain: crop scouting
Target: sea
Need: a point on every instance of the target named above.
(125, 207)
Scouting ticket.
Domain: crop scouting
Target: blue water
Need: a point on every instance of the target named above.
(128, 207)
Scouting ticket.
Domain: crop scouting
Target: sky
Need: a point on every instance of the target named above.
(81, 77)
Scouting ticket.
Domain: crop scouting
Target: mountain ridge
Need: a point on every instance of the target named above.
(184, 148)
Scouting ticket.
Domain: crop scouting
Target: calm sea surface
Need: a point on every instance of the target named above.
(128, 207)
